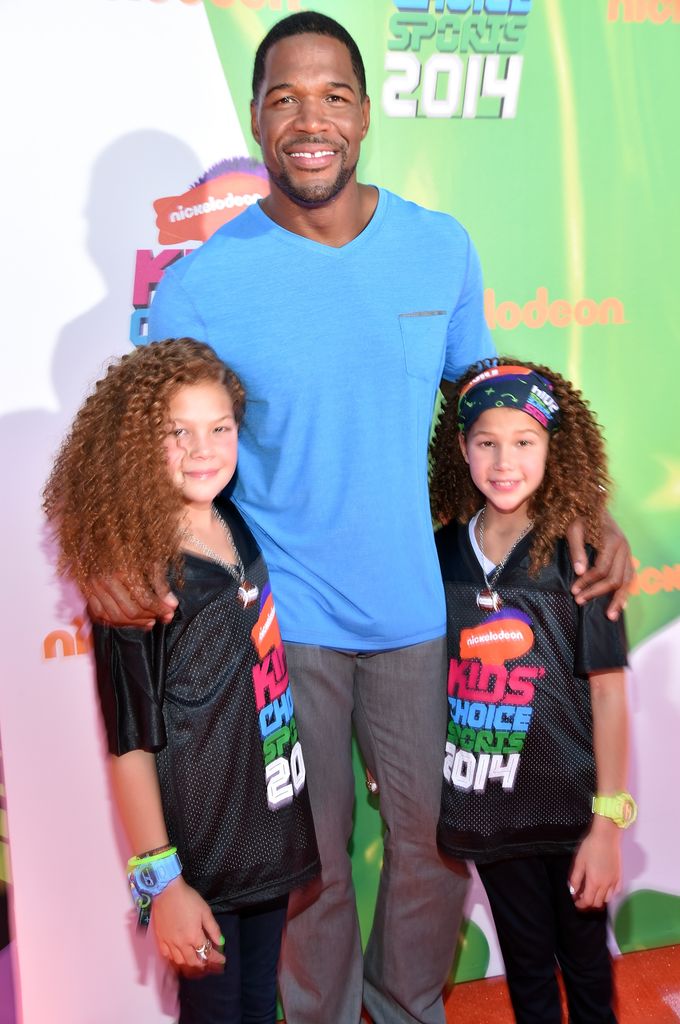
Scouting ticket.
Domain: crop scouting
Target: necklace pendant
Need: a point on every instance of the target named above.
(247, 593)
(489, 600)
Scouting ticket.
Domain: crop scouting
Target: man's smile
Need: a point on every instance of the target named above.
(318, 154)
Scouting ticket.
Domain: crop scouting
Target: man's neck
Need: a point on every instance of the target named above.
(334, 223)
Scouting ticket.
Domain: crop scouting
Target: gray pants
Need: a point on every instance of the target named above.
(397, 703)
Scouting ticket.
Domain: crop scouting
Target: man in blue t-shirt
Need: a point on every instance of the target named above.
(342, 307)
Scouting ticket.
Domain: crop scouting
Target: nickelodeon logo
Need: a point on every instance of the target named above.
(651, 580)
(559, 313)
(502, 636)
(656, 11)
(207, 205)
(265, 633)
(67, 644)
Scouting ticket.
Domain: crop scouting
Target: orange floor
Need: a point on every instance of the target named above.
(647, 987)
(647, 992)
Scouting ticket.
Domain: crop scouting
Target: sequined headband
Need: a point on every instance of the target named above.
(514, 387)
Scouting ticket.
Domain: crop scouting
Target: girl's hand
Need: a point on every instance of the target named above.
(596, 872)
(183, 922)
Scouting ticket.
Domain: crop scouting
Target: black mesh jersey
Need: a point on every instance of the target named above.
(519, 770)
(209, 695)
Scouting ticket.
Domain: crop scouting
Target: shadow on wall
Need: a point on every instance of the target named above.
(126, 178)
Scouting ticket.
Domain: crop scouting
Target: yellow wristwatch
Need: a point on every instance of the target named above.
(621, 808)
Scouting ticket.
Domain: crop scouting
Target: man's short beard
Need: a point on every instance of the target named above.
(315, 194)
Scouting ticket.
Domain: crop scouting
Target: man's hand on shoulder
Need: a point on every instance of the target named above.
(613, 568)
(112, 601)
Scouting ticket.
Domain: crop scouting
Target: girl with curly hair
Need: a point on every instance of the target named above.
(206, 767)
(536, 747)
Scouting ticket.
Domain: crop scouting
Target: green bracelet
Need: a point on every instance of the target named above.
(148, 877)
(149, 858)
(157, 849)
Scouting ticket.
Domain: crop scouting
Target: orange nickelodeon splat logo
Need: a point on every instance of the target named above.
(217, 197)
(265, 633)
(65, 643)
(504, 635)
(560, 313)
(656, 11)
(652, 580)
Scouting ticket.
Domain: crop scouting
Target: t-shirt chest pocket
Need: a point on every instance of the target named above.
(423, 335)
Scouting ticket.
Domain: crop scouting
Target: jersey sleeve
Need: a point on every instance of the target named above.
(130, 681)
(601, 644)
(468, 337)
(172, 313)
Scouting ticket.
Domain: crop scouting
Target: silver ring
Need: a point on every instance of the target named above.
(202, 951)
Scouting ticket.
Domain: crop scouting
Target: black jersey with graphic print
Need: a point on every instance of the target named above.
(519, 771)
(209, 695)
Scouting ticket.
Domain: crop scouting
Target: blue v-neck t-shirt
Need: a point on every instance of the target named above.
(340, 351)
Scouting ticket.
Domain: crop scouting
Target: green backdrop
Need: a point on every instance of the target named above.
(550, 130)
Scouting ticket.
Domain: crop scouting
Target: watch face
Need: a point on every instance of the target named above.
(147, 876)
(627, 811)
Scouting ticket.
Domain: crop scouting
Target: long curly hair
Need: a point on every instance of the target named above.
(109, 499)
(576, 479)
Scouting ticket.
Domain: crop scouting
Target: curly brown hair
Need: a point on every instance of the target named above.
(575, 483)
(109, 498)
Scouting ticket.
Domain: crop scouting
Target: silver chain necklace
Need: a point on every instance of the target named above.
(490, 599)
(247, 592)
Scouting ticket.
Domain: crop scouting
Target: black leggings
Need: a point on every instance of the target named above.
(538, 924)
(245, 991)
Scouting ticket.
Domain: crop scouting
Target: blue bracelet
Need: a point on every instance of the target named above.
(149, 876)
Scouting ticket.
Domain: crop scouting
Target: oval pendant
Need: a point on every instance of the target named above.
(247, 593)
(489, 600)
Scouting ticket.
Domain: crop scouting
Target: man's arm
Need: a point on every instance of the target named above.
(114, 601)
(172, 313)
(468, 336)
(612, 570)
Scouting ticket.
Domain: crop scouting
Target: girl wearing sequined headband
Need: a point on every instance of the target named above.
(536, 749)
(206, 767)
